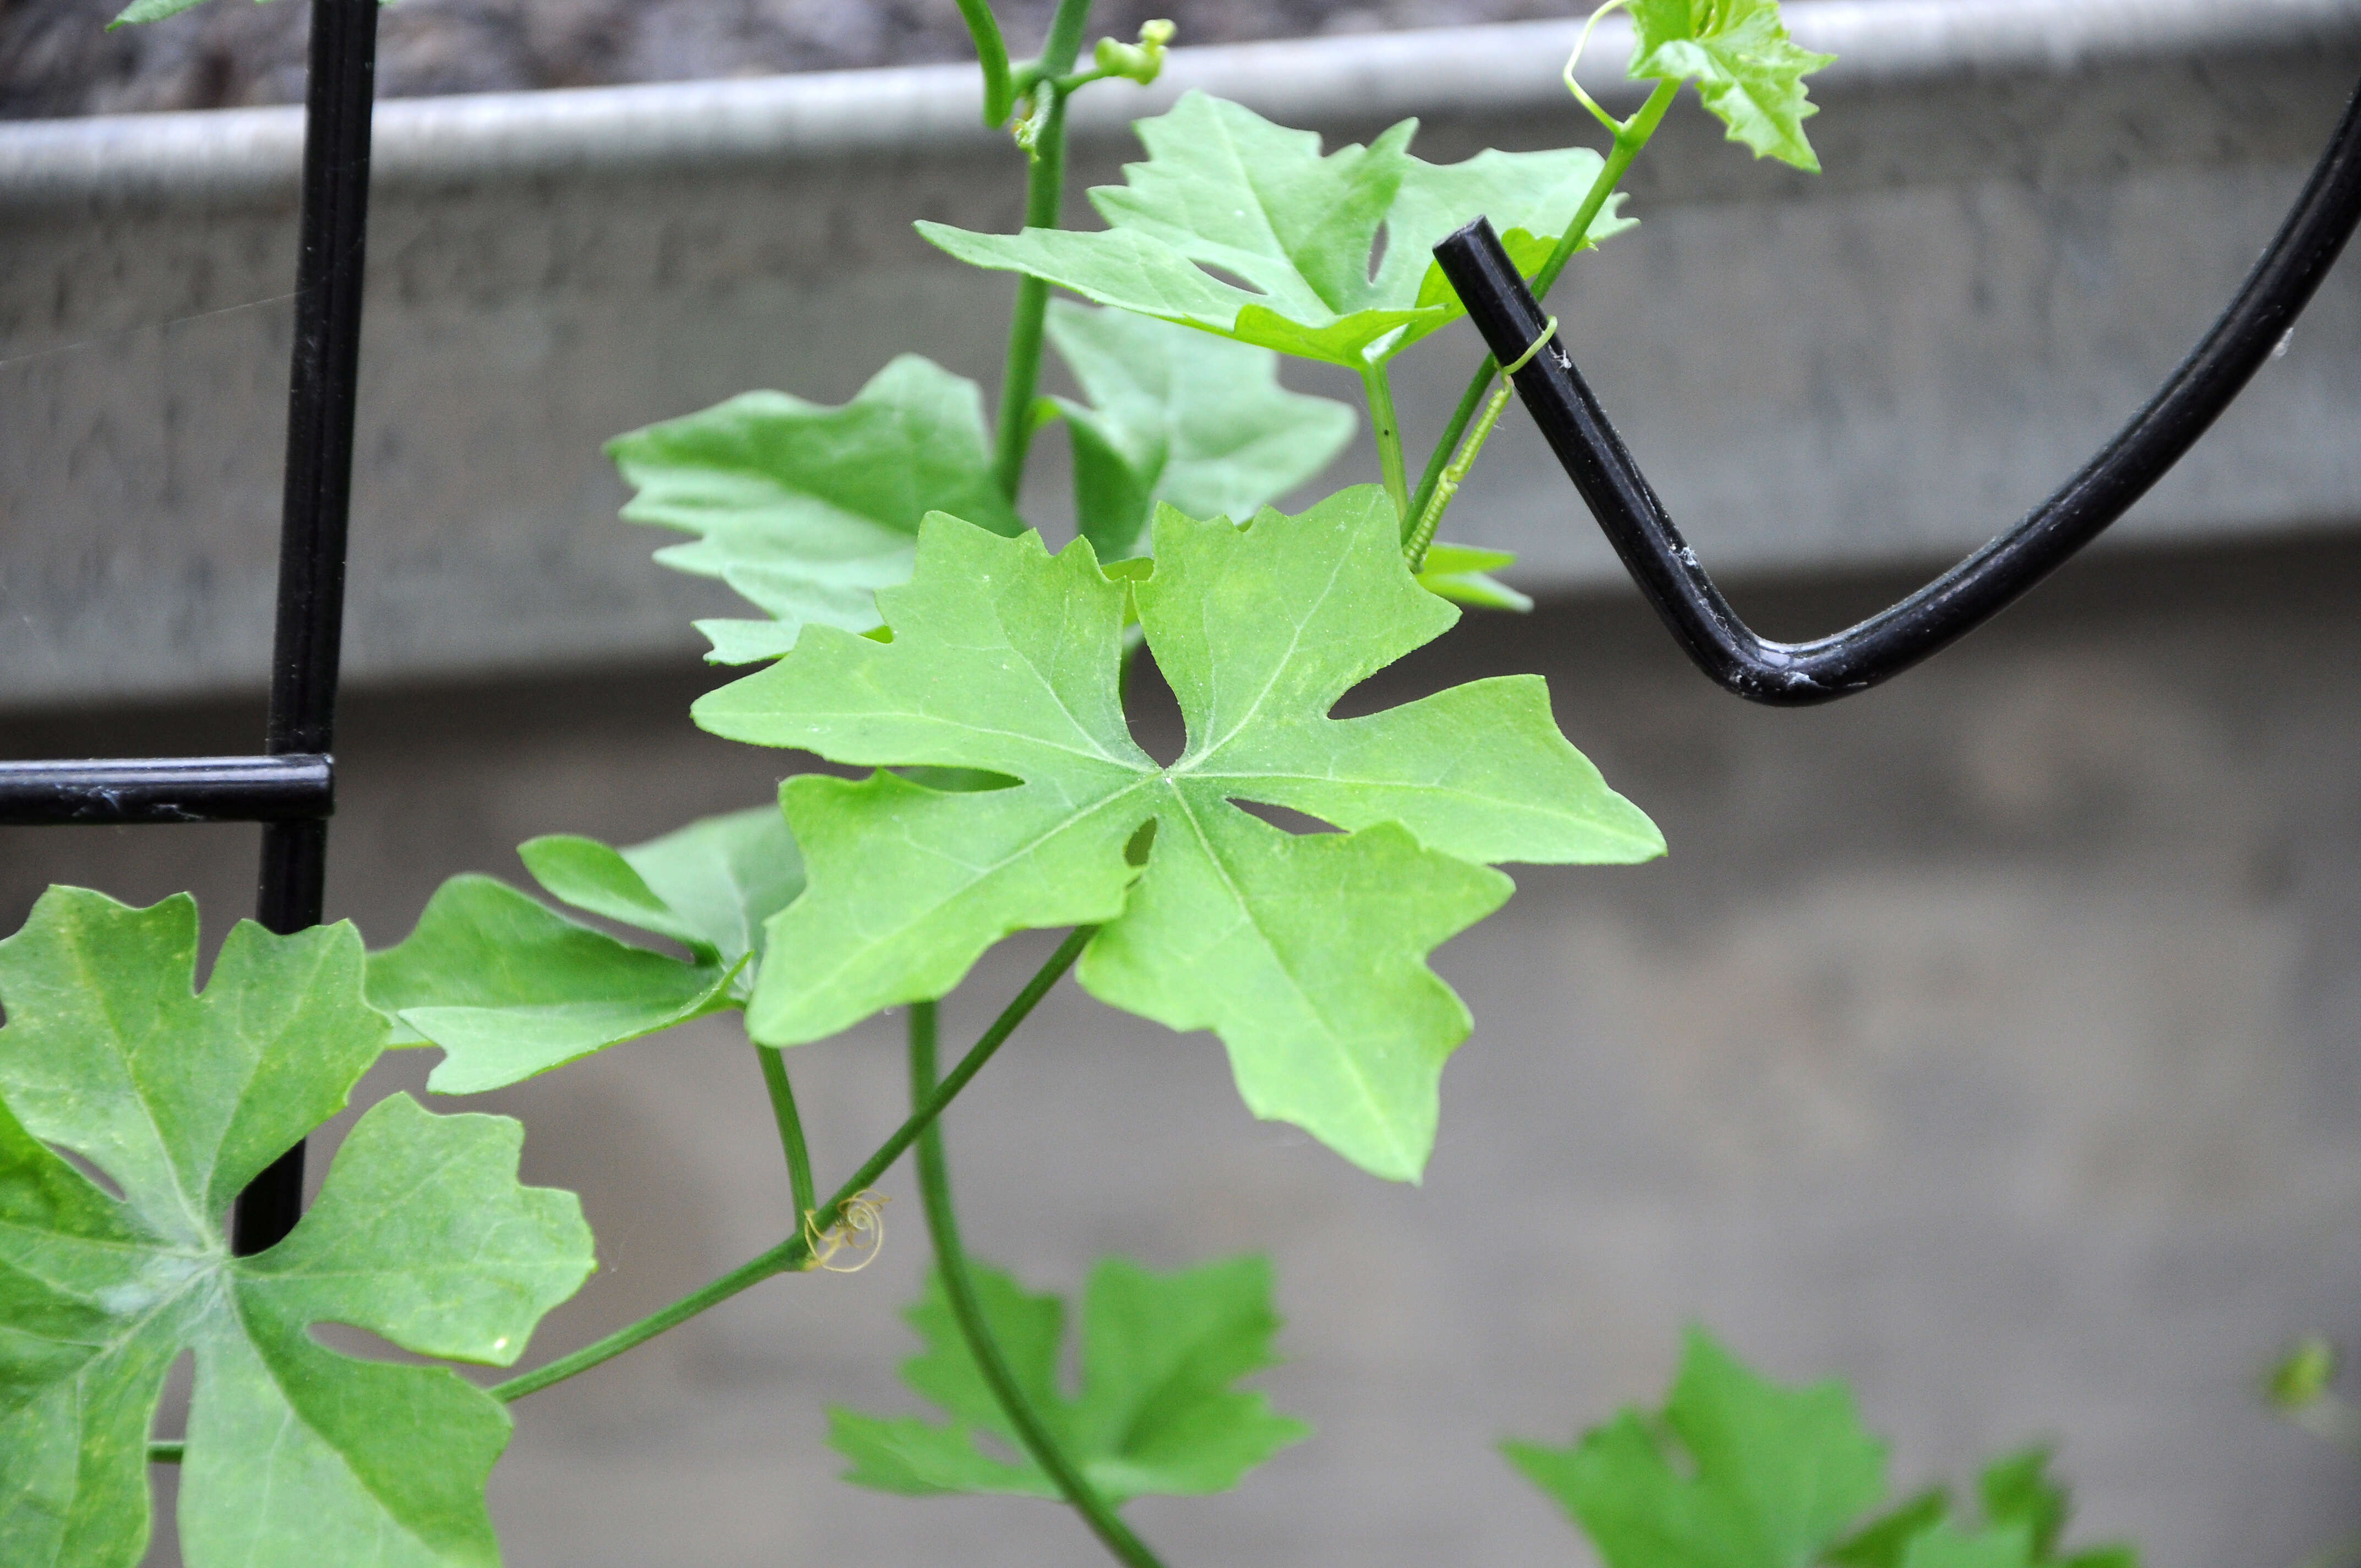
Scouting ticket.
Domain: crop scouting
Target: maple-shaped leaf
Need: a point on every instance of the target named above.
(1225, 189)
(1736, 1472)
(1305, 953)
(296, 1454)
(510, 988)
(1180, 417)
(1158, 1413)
(806, 509)
(1749, 72)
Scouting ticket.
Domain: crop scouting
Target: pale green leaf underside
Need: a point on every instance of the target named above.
(1463, 574)
(808, 510)
(508, 988)
(1749, 72)
(296, 1454)
(1305, 953)
(1157, 1414)
(1180, 417)
(1766, 1477)
(1224, 188)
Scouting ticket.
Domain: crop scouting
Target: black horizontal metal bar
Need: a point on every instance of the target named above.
(1799, 673)
(299, 786)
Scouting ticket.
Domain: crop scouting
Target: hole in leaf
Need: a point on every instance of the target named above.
(1377, 251)
(97, 1177)
(1286, 818)
(362, 1345)
(172, 1406)
(1136, 849)
(958, 781)
(1223, 275)
(1153, 712)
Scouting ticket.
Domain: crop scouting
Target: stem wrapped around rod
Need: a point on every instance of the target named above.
(1793, 675)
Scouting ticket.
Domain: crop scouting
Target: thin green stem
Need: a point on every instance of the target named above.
(796, 1251)
(1631, 137)
(1044, 192)
(1387, 427)
(165, 1453)
(992, 54)
(791, 1128)
(967, 1306)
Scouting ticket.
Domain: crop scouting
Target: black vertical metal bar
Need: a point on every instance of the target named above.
(321, 386)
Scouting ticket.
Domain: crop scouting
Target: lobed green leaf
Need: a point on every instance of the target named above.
(1182, 417)
(1226, 194)
(808, 510)
(1749, 1476)
(508, 988)
(295, 1455)
(1158, 1413)
(1738, 1473)
(1303, 952)
(1749, 72)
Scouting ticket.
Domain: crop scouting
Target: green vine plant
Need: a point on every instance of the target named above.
(905, 620)
(1737, 1472)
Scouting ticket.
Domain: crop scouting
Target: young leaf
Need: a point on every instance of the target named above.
(806, 509)
(1157, 1414)
(1764, 1477)
(1224, 188)
(1749, 72)
(508, 988)
(296, 1454)
(1305, 954)
(1462, 572)
(1180, 417)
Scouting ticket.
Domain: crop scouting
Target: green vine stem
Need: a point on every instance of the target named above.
(958, 1287)
(1387, 427)
(1045, 192)
(791, 1128)
(794, 1253)
(1631, 137)
(992, 54)
(1422, 537)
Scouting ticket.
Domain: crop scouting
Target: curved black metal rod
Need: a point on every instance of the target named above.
(1797, 675)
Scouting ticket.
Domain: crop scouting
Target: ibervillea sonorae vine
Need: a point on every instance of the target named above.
(906, 618)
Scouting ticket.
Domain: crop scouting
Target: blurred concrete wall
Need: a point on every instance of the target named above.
(2031, 211)
(1989, 1040)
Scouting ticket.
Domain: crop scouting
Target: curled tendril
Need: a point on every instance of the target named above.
(1613, 125)
(859, 1230)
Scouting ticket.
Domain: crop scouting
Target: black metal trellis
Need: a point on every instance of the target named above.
(291, 789)
(1795, 675)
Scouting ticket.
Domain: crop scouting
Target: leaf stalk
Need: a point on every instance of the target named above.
(1044, 192)
(958, 1285)
(794, 1253)
(1386, 425)
(791, 1128)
